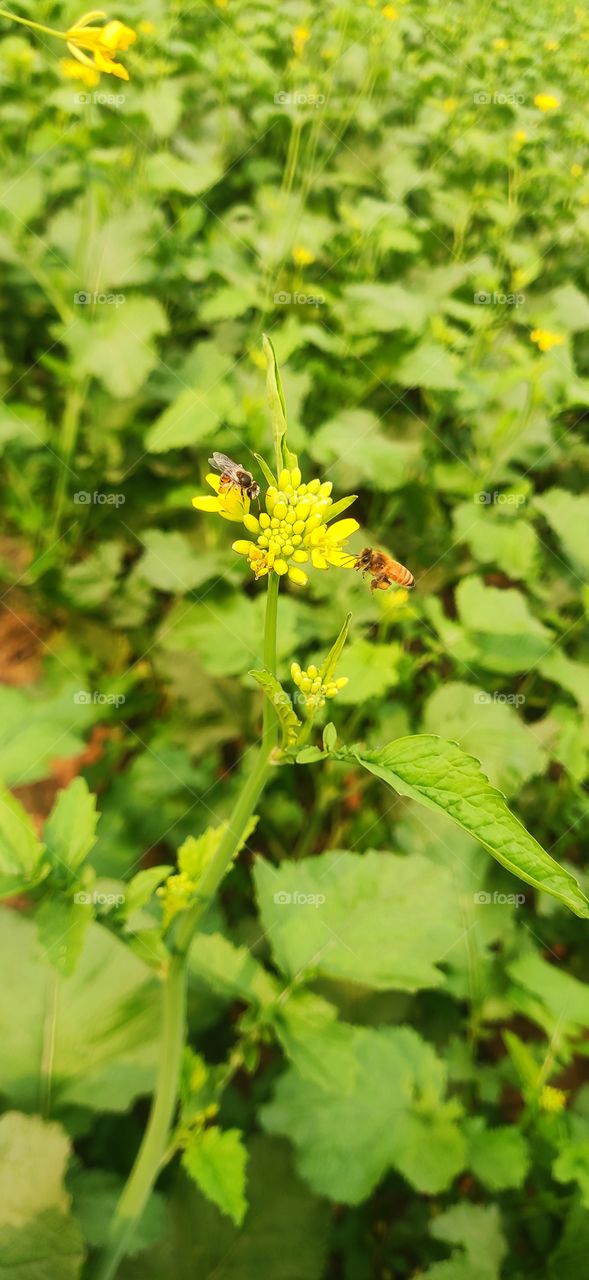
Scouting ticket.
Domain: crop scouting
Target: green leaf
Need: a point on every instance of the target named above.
(268, 475)
(169, 172)
(284, 1235)
(356, 450)
(329, 666)
(39, 1239)
(117, 345)
(275, 396)
(279, 699)
(194, 416)
(499, 1158)
(429, 365)
(477, 1229)
(441, 776)
(507, 635)
(572, 1165)
(216, 1161)
(372, 918)
(394, 1117)
(89, 1040)
(231, 971)
(496, 537)
(317, 1045)
(62, 926)
(70, 830)
(20, 850)
(170, 563)
(568, 515)
(140, 889)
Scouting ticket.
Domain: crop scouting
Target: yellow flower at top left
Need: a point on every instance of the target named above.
(231, 504)
(102, 42)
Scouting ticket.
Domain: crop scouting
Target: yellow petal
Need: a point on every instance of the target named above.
(318, 559)
(297, 576)
(280, 567)
(342, 529)
(207, 503)
(251, 524)
(243, 547)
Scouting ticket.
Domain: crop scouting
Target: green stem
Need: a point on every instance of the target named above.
(67, 446)
(156, 1140)
(35, 26)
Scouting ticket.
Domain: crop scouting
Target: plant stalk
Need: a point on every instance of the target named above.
(157, 1134)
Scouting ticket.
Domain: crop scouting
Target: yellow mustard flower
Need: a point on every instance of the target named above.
(146, 27)
(300, 36)
(546, 102)
(231, 504)
(303, 257)
(293, 529)
(73, 70)
(102, 42)
(449, 105)
(327, 544)
(390, 13)
(552, 1099)
(501, 43)
(520, 136)
(313, 688)
(546, 340)
(576, 171)
(551, 45)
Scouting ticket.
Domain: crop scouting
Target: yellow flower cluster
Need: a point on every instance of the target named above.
(552, 1099)
(546, 340)
(293, 530)
(313, 688)
(300, 36)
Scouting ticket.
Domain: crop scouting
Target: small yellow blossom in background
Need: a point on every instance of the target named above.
(231, 504)
(73, 70)
(546, 340)
(520, 136)
(303, 257)
(546, 102)
(390, 13)
(551, 45)
(313, 688)
(293, 529)
(102, 42)
(300, 36)
(552, 1099)
(146, 27)
(576, 171)
(449, 105)
(501, 43)
(391, 601)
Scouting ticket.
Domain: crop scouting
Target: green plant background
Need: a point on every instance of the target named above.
(393, 1104)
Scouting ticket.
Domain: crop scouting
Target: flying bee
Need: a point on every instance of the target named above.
(383, 569)
(234, 476)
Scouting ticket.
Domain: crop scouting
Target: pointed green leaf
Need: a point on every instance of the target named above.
(282, 704)
(276, 400)
(20, 850)
(216, 1160)
(70, 830)
(443, 777)
(334, 655)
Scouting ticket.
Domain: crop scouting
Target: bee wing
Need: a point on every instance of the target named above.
(222, 463)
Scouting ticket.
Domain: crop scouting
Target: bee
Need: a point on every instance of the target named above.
(234, 476)
(384, 570)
